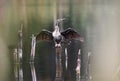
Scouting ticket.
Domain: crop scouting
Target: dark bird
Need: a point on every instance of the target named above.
(58, 35)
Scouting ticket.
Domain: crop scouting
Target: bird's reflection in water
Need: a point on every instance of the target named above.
(18, 72)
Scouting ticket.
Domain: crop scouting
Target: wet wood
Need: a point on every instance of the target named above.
(59, 68)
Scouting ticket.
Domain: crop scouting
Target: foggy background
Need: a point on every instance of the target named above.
(97, 20)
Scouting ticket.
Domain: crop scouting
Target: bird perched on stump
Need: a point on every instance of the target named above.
(58, 35)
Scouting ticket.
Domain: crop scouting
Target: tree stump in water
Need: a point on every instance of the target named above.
(59, 69)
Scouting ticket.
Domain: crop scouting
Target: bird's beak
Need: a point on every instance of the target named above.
(81, 39)
(63, 19)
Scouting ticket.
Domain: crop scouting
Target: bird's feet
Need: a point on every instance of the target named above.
(57, 45)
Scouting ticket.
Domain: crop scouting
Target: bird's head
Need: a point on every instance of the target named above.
(59, 20)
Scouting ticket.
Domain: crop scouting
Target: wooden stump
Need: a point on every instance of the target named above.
(59, 69)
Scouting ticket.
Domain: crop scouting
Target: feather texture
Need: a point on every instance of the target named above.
(70, 34)
(44, 35)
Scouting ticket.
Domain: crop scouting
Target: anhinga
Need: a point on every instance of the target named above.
(58, 35)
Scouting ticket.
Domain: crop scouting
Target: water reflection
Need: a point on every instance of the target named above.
(88, 75)
(66, 58)
(78, 66)
(18, 71)
(33, 72)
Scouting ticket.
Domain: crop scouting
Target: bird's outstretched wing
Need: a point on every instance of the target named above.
(44, 35)
(71, 34)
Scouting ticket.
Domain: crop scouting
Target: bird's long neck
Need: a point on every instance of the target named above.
(56, 29)
(57, 24)
(56, 32)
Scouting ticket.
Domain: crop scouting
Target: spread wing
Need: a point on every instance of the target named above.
(44, 35)
(71, 34)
